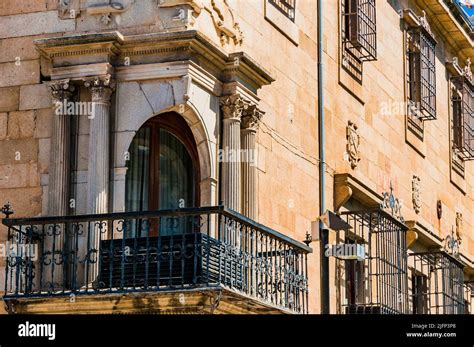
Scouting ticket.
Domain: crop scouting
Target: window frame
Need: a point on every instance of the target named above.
(421, 76)
(178, 127)
(287, 7)
(462, 99)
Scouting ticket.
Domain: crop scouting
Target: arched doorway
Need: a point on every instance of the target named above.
(162, 171)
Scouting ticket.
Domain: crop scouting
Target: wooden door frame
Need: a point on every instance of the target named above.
(177, 126)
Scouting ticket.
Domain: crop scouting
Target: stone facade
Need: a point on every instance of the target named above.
(185, 56)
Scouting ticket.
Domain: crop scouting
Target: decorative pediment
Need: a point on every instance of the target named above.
(415, 22)
(458, 73)
(424, 23)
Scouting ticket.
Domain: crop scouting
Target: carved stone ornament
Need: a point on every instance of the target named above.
(61, 90)
(459, 226)
(424, 23)
(353, 144)
(224, 21)
(232, 106)
(467, 72)
(439, 209)
(101, 88)
(251, 117)
(69, 9)
(416, 193)
(222, 15)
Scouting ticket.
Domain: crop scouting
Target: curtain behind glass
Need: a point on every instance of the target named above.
(138, 179)
(176, 182)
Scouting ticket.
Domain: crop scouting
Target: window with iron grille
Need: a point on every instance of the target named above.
(468, 296)
(419, 286)
(379, 283)
(360, 28)
(444, 290)
(287, 7)
(463, 117)
(421, 74)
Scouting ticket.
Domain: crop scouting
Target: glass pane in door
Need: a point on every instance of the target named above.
(137, 184)
(176, 182)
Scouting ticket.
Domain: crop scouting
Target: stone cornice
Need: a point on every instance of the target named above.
(425, 234)
(446, 24)
(346, 186)
(120, 51)
(72, 50)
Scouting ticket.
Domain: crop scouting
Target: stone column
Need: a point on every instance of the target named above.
(250, 121)
(59, 170)
(99, 139)
(99, 167)
(232, 107)
(59, 178)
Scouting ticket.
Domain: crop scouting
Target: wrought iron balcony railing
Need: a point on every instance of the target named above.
(210, 247)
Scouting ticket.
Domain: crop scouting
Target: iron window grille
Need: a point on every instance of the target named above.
(463, 117)
(379, 283)
(360, 28)
(287, 7)
(468, 294)
(444, 289)
(422, 74)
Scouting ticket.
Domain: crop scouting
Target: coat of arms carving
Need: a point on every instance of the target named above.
(416, 193)
(353, 144)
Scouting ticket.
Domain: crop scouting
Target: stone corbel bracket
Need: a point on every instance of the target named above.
(237, 71)
(420, 233)
(347, 186)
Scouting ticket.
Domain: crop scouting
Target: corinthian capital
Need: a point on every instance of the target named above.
(232, 106)
(251, 117)
(101, 88)
(61, 90)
